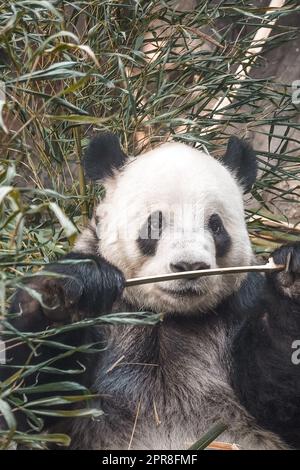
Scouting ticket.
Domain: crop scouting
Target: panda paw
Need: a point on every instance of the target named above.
(87, 288)
(287, 282)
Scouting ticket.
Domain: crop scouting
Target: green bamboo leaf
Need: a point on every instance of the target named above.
(6, 412)
(62, 439)
(77, 118)
(9, 25)
(9, 175)
(76, 413)
(2, 104)
(65, 222)
(53, 387)
(57, 400)
(215, 431)
(55, 71)
(4, 191)
(38, 4)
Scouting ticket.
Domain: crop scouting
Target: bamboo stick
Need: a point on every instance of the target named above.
(218, 445)
(275, 224)
(270, 266)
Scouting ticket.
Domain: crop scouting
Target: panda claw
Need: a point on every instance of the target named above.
(287, 282)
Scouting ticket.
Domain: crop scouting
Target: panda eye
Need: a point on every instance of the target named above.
(215, 224)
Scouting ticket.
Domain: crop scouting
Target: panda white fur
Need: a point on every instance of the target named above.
(223, 348)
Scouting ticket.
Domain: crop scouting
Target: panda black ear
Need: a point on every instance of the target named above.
(103, 156)
(240, 159)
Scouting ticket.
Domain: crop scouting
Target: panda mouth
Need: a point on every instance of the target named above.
(186, 292)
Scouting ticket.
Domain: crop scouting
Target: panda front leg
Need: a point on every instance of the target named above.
(78, 286)
(266, 369)
(84, 286)
(287, 283)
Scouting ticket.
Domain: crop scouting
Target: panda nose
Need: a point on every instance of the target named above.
(184, 266)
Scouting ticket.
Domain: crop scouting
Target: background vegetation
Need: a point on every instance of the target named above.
(148, 72)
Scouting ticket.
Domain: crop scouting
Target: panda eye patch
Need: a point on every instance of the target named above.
(215, 224)
(221, 236)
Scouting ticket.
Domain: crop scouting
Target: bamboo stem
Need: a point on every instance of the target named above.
(82, 186)
(269, 266)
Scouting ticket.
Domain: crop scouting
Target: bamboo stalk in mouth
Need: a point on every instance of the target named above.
(269, 266)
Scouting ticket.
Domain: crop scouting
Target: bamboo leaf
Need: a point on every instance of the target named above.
(215, 431)
(64, 221)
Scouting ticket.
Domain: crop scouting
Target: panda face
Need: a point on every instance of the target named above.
(169, 210)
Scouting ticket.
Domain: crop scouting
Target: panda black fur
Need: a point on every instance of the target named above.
(223, 349)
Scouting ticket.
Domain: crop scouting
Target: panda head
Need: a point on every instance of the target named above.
(173, 209)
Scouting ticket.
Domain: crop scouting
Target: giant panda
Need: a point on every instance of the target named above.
(222, 350)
